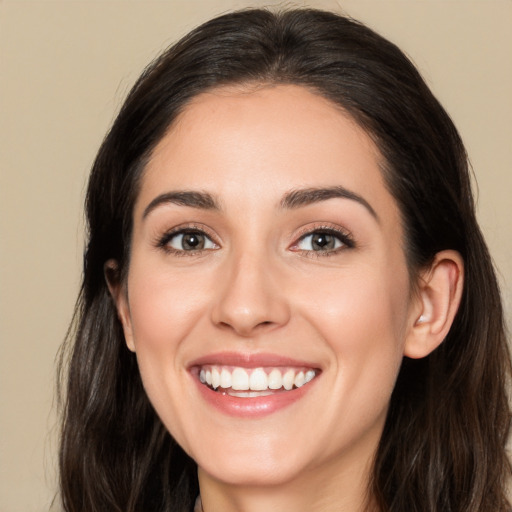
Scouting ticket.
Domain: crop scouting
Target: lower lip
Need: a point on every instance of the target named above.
(252, 407)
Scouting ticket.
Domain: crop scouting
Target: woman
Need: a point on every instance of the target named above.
(287, 302)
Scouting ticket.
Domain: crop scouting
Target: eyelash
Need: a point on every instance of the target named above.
(345, 238)
(163, 241)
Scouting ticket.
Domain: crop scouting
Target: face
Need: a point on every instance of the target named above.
(267, 298)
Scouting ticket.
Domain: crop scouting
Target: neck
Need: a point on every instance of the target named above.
(322, 489)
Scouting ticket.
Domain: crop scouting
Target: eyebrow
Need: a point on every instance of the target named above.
(291, 200)
(193, 199)
(307, 196)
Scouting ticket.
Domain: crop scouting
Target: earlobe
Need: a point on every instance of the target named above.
(438, 298)
(118, 293)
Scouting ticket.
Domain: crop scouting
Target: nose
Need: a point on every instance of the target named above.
(251, 298)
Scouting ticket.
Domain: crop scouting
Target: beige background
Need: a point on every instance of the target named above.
(65, 68)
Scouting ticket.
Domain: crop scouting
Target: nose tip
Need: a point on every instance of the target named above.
(245, 322)
(250, 301)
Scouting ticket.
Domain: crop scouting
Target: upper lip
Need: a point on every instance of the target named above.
(250, 360)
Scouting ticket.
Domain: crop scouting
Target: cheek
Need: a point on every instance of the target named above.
(162, 308)
(358, 302)
(162, 318)
(362, 317)
(163, 312)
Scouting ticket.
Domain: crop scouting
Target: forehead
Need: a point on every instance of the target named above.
(261, 141)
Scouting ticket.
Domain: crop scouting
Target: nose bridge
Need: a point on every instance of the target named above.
(250, 297)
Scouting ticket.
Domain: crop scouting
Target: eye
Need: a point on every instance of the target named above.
(324, 240)
(319, 241)
(187, 241)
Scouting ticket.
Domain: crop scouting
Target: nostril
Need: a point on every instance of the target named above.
(247, 307)
(260, 324)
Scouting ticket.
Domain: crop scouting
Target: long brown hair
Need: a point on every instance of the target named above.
(443, 445)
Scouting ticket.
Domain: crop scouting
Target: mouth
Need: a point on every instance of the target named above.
(253, 386)
(243, 382)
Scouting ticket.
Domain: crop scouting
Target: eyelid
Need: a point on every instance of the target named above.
(162, 239)
(342, 234)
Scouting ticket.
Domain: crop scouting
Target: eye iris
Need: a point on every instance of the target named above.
(322, 241)
(192, 241)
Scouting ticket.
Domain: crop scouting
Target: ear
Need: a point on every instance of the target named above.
(120, 296)
(438, 298)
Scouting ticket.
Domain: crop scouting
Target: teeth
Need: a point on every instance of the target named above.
(248, 394)
(299, 380)
(225, 379)
(288, 379)
(244, 382)
(275, 379)
(258, 380)
(215, 378)
(240, 380)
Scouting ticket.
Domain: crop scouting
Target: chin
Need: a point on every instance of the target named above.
(250, 460)
(252, 471)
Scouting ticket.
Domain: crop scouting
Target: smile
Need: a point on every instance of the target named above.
(252, 386)
(254, 382)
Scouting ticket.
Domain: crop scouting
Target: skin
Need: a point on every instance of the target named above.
(259, 287)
